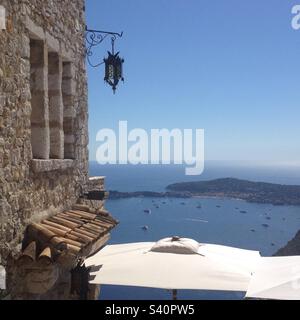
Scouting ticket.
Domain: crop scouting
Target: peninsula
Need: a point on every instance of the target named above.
(257, 192)
(114, 195)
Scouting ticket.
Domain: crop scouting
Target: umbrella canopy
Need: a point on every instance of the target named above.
(175, 263)
(276, 278)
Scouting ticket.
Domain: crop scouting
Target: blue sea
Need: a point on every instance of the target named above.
(236, 223)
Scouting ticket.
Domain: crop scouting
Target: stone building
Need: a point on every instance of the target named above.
(48, 224)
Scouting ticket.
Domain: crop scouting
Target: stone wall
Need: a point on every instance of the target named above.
(43, 103)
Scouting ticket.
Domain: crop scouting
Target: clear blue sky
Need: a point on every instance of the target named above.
(230, 67)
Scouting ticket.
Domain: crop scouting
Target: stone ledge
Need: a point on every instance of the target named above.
(96, 183)
(94, 179)
(51, 165)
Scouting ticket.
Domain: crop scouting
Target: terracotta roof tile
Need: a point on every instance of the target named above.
(79, 232)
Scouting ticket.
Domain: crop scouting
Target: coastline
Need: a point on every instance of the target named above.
(118, 195)
(292, 248)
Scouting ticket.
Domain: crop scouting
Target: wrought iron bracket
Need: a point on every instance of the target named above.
(95, 38)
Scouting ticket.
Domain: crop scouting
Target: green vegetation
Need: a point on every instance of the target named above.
(259, 192)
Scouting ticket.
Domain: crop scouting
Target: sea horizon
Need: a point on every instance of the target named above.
(149, 177)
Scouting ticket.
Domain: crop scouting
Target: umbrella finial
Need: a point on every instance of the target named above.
(176, 238)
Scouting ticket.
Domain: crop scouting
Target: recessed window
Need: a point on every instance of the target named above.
(40, 138)
(69, 110)
(52, 100)
(55, 106)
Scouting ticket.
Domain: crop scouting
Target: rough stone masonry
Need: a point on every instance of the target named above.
(43, 114)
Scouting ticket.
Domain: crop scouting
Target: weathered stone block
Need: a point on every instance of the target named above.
(50, 165)
(52, 43)
(36, 32)
(56, 143)
(40, 141)
(68, 70)
(69, 87)
(25, 46)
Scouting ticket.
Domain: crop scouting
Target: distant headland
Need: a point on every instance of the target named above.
(114, 195)
(256, 192)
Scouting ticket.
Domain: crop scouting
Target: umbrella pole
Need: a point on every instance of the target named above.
(174, 293)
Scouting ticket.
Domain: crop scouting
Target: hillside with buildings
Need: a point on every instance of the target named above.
(258, 192)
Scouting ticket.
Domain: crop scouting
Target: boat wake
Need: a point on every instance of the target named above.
(196, 220)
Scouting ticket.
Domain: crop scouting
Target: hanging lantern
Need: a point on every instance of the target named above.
(113, 70)
(113, 63)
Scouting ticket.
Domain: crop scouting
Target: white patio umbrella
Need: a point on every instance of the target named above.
(276, 278)
(174, 263)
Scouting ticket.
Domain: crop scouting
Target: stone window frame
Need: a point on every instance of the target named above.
(2, 18)
(65, 83)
